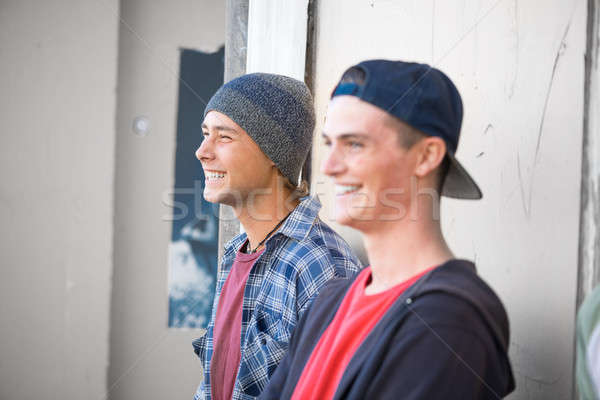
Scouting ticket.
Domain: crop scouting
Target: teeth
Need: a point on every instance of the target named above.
(343, 189)
(214, 175)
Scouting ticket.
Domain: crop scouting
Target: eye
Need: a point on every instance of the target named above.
(354, 145)
(205, 133)
(326, 142)
(225, 138)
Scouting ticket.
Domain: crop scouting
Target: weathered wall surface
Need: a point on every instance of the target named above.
(148, 360)
(58, 72)
(520, 68)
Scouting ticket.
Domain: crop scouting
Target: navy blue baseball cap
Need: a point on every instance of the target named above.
(422, 97)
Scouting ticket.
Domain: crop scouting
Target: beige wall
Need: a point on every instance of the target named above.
(519, 66)
(148, 360)
(58, 67)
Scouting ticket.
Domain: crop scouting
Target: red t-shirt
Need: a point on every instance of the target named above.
(356, 317)
(228, 328)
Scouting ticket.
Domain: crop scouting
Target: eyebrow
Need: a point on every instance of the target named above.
(219, 128)
(347, 136)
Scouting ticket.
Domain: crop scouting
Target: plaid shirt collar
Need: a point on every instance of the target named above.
(296, 226)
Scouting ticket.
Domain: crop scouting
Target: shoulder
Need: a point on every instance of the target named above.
(320, 249)
(459, 279)
(438, 308)
(337, 287)
(322, 236)
(454, 295)
(310, 239)
(330, 296)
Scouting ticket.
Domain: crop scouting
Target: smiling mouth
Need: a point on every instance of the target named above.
(214, 176)
(341, 190)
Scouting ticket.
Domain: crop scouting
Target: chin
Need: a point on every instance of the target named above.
(344, 217)
(211, 196)
(222, 196)
(362, 225)
(361, 219)
(351, 211)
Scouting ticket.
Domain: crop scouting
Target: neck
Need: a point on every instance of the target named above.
(260, 214)
(401, 249)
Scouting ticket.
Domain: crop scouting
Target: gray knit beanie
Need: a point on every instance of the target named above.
(276, 111)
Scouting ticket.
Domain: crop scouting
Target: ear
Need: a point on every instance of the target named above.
(431, 154)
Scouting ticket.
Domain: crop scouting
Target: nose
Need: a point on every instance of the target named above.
(205, 151)
(333, 163)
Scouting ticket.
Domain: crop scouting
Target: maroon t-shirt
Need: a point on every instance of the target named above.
(228, 328)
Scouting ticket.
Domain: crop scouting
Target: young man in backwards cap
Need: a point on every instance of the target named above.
(257, 133)
(418, 323)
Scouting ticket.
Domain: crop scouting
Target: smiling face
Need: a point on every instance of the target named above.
(371, 170)
(234, 166)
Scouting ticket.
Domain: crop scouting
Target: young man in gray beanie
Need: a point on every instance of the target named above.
(257, 133)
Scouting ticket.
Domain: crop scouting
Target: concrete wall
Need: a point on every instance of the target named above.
(148, 360)
(58, 66)
(520, 68)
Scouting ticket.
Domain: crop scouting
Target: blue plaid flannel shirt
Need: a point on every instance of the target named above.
(298, 261)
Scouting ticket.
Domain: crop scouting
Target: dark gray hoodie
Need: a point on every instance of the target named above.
(445, 337)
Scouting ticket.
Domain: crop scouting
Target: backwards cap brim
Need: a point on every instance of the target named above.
(458, 183)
